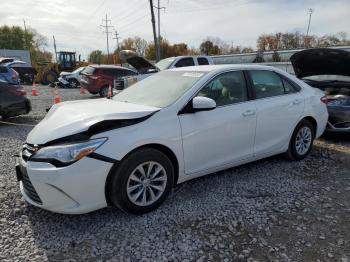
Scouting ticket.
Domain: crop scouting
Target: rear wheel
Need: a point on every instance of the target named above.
(301, 142)
(49, 77)
(104, 91)
(142, 181)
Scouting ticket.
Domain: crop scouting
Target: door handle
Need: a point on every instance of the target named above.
(248, 113)
(296, 101)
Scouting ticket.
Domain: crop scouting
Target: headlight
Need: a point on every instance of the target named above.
(63, 155)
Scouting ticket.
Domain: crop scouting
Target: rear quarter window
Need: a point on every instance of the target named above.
(3, 70)
(89, 70)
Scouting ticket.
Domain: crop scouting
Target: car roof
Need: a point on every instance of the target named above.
(111, 66)
(211, 68)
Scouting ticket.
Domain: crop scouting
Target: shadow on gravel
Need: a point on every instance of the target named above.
(246, 195)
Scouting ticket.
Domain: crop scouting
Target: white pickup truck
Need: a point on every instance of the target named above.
(146, 68)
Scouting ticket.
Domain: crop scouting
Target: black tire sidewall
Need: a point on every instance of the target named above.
(292, 148)
(74, 81)
(118, 182)
(45, 81)
(102, 90)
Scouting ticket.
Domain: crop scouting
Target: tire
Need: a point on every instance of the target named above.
(49, 77)
(125, 177)
(73, 83)
(104, 91)
(304, 129)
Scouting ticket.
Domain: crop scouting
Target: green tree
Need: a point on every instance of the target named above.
(16, 38)
(96, 57)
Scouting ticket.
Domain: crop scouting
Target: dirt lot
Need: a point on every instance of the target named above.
(270, 210)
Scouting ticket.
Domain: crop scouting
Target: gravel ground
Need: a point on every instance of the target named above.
(270, 210)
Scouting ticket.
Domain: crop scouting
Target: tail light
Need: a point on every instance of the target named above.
(14, 75)
(324, 99)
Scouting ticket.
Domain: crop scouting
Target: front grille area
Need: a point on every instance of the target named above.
(29, 189)
(119, 84)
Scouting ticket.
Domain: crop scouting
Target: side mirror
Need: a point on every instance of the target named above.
(201, 103)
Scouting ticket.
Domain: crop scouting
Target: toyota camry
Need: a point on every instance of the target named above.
(131, 150)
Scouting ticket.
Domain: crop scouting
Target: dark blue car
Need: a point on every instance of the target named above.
(7, 73)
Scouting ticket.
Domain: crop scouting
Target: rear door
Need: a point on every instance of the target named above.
(225, 135)
(279, 104)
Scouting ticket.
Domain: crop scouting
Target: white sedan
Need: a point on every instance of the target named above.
(179, 124)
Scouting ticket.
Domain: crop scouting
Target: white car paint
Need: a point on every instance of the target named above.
(65, 76)
(202, 142)
(173, 63)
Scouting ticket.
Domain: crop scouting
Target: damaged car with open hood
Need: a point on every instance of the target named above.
(129, 151)
(329, 70)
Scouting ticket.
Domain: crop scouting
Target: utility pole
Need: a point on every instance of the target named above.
(25, 34)
(159, 36)
(154, 31)
(106, 26)
(54, 46)
(117, 38)
(310, 11)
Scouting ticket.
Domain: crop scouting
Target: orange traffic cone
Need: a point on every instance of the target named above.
(57, 98)
(34, 90)
(110, 94)
(82, 90)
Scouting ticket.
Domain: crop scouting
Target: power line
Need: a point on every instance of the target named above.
(106, 26)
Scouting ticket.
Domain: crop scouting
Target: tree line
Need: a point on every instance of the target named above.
(15, 37)
(217, 46)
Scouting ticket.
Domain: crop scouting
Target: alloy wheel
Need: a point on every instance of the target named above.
(303, 140)
(146, 183)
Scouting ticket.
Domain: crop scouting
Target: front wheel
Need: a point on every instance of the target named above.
(302, 140)
(73, 83)
(142, 181)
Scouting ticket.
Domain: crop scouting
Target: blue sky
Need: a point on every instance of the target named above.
(76, 24)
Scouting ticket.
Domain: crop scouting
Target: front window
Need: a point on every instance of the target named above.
(161, 89)
(225, 89)
(185, 62)
(165, 63)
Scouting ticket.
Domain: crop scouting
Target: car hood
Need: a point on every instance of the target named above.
(136, 61)
(321, 61)
(69, 118)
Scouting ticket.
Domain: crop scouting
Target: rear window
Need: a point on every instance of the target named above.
(89, 70)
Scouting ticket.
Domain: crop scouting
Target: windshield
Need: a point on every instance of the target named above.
(89, 70)
(328, 78)
(161, 89)
(165, 63)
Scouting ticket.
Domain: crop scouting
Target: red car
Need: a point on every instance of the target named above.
(97, 78)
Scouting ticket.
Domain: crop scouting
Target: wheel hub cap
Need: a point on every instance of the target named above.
(303, 140)
(146, 183)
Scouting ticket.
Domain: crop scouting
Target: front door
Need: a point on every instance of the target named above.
(225, 134)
